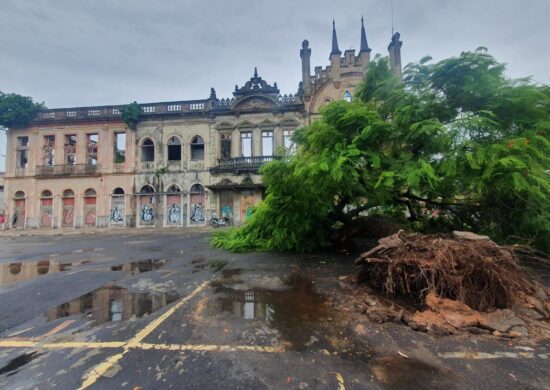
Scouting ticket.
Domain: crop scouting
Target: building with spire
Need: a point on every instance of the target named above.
(182, 164)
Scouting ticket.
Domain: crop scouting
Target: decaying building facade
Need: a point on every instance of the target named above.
(184, 162)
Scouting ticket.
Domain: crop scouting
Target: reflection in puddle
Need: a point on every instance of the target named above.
(15, 364)
(395, 372)
(21, 271)
(140, 266)
(294, 313)
(112, 303)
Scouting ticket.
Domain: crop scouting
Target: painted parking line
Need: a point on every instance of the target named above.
(98, 371)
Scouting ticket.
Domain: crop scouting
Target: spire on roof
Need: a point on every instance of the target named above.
(364, 45)
(255, 72)
(335, 49)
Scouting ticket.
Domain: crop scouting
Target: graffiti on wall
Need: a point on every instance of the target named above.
(248, 200)
(174, 214)
(146, 214)
(197, 213)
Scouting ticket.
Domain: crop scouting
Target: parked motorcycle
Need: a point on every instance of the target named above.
(215, 221)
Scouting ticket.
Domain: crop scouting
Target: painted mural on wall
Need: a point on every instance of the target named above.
(68, 212)
(174, 214)
(117, 210)
(248, 201)
(147, 214)
(46, 209)
(18, 218)
(226, 204)
(197, 199)
(197, 213)
(90, 211)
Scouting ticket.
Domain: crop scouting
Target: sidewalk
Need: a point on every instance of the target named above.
(90, 231)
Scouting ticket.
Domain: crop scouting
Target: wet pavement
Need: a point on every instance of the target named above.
(160, 309)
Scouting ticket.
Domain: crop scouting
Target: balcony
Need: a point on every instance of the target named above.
(75, 170)
(241, 164)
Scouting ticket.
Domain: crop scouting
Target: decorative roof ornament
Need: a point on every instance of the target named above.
(213, 94)
(256, 85)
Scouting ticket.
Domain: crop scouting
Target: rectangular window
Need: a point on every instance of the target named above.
(70, 149)
(267, 143)
(225, 146)
(22, 152)
(120, 148)
(92, 146)
(246, 144)
(287, 141)
(49, 150)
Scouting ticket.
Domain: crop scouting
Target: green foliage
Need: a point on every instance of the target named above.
(17, 111)
(454, 145)
(130, 114)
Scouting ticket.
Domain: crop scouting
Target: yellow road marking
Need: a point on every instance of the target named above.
(20, 332)
(339, 378)
(58, 328)
(494, 355)
(97, 372)
(17, 344)
(209, 347)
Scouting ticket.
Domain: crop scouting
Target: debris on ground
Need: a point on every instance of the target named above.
(446, 284)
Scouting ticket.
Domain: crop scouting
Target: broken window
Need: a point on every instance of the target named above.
(147, 150)
(267, 143)
(70, 149)
(22, 152)
(49, 150)
(120, 148)
(92, 143)
(197, 148)
(246, 144)
(174, 149)
(225, 146)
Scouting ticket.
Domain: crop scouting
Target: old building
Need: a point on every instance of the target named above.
(184, 162)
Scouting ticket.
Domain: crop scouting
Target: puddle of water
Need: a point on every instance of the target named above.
(15, 364)
(112, 303)
(17, 272)
(140, 266)
(295, 312)
(395, 372)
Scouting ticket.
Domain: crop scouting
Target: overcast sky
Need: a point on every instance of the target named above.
(78, 53)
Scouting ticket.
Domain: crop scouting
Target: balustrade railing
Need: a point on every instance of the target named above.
(67, 170)
(241, 164)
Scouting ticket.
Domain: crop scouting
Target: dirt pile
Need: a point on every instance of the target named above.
(450, 283)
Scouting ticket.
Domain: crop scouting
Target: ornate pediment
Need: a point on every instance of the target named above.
(255, 103)
(256, 85)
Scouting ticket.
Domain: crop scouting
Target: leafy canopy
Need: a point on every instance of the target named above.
(17, 111)
(453, 145)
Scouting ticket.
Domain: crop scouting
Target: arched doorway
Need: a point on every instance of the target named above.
(67, 201)
(117, 216)
(89, 211)
(19, 210)
(197, 202)
(46, 208)
(174, 207)
(146, 204)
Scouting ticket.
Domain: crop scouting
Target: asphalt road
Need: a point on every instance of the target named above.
(158, 310)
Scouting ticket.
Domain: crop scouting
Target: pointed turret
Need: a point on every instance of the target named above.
(364, 45)
(305, 55)
(335, 49)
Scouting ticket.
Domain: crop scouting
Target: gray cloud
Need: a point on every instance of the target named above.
(74, 53)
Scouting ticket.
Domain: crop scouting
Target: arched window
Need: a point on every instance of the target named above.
(90, 192)
(197, 148)
(19, 195)
(347, 96)
(174, 149)
(196, 189)
(147, 150)
(147, 189)
(118, 191)
(173, 188)
(68, 194)
(46, 194)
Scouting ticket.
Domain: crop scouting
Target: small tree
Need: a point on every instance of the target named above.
(17, 111)
(130, 114)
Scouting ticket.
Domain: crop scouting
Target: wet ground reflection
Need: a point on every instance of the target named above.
(112, 303)
(17, 272)
(295, 312)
